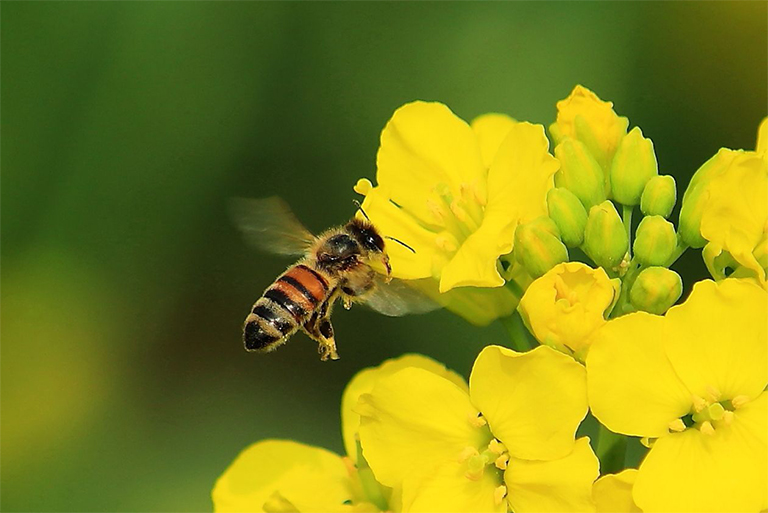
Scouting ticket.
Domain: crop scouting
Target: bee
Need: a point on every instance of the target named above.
(337, 264)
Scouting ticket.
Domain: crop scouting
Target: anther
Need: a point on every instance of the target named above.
(706, 428)
(499, 494)
(501, 462)
(467, 453)
(728, 417)
(698, 403)
(496, 446)
(739, 401)
(677, 425)
(477, 420)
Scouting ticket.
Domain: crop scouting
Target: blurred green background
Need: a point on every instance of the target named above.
(127, 126)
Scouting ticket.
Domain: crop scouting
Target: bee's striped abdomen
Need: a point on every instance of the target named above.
(284, 307)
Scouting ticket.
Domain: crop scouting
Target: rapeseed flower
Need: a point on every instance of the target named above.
(456, 193)
(506, 441)
(612, 493)
(695, 381)
(725, 210)
(567, 304)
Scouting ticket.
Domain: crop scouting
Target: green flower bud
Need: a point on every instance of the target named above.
(569, 215)
(605, 240)
(655, 290)
(579, 172)
(659, 196)
(655, 241)
(633, 165)
(538, 247)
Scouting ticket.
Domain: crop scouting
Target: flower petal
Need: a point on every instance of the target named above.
(425, 144)
(725, 471)
(364, 381)
(491, 130)
(391, 220)
(632, 387)
(447, 490)
(762, 136)
(480, 306)
(612, 493)
(520, 177)
(413, 421)
(563, 484)
(719, 338)
(305, 477)
(533, 401)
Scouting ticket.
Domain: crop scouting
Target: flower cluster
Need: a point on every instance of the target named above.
(545, 242)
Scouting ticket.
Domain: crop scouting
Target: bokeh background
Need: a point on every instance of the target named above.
(127, 126)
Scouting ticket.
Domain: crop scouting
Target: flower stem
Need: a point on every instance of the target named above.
(679, 250)
(519, 338)
(626, 216)
(371, 487)
(611, 450)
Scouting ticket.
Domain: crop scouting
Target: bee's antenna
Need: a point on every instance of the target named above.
(360, 208)
(400, 242)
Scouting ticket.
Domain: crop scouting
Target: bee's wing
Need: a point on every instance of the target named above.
(269, 224)
(396, 298)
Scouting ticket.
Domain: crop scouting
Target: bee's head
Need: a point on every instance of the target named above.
(367, 236)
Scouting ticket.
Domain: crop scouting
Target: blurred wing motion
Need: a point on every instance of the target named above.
(270, 225)
(396, 298)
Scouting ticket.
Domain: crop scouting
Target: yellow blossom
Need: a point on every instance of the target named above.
(283, 475)
(564, 307)
(507, 442)
(695, 380)
(456, 193)
(612, 493)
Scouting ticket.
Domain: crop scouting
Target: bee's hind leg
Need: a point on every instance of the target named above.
(320, 329)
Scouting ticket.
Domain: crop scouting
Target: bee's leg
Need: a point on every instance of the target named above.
(320, 329)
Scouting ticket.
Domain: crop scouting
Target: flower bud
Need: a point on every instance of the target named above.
(579, 172)
(697, 194)
(659, 196)
(605, 240)
(538, 247)
(563, 307)
(633, 165)
(655, 241)
(569, 215)
(655, 290)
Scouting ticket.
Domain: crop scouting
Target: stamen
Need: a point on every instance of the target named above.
(647, 442)
(562, 291)
(677, 425)
(363, 186)
(713, 393)
(496, 447)
(501, 462)
(698, 403)
(739, 401)
(467, 453)
(499, 494)
(728, 417)
(707, 428)
(475, 467)
(447, 242)
(477, 420)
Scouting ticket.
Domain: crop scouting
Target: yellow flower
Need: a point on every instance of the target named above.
(725, 209)
(282, 475)
(564, 307)
(694, 379)
(586, 118)
(507, 441)
(455, 192)
(612, 493)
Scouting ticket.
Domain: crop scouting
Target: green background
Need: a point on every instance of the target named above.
(127, 126)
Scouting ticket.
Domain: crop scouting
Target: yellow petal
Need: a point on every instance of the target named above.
(725, 471)
(587, 118)
(447, 490)
(762, 136)
(612, 493)
(736, 213)
(474, 264)
(491, 130)
(364, 381)
(520, 177)
(567, 304)
(425, 144)
(533, 401)
(719, 338)
(480, 306)
(293, 474)
(393, 221)
(564, 484)
(412, 422)
(632, 387)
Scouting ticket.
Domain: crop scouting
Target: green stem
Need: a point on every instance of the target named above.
(611, 450)
(371, 487)
(626, 284)
(679, 250)
(626, 216)
(519, 338)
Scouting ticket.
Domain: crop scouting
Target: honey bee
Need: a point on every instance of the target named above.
(337, 264)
